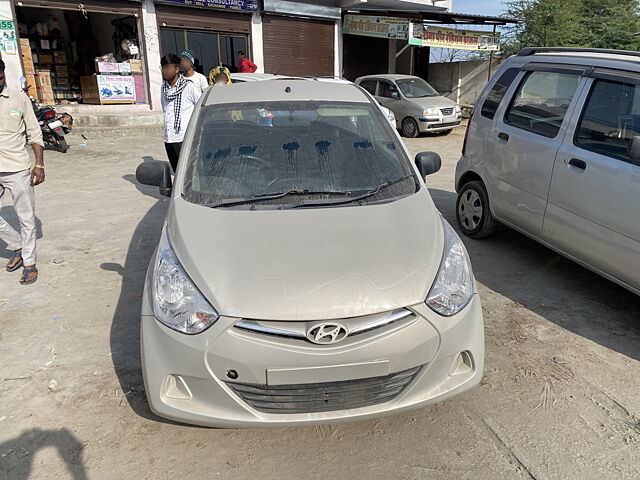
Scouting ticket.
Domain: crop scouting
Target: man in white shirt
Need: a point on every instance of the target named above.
(187, 61)
(178, 97)
(19, 127)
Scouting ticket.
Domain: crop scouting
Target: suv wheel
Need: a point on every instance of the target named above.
(410, 128)
(472, 211)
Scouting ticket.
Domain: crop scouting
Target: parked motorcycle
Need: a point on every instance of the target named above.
(54, 126)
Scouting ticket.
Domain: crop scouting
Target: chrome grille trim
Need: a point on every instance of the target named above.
(324, 397)
(298, 330)
(447, 111)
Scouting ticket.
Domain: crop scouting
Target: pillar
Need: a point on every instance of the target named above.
(151, 38)
(12, 62)
(337, 47)
(257, 45)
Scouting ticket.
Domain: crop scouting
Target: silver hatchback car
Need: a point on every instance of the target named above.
(304, 274)
(417, 106)
(553, 150)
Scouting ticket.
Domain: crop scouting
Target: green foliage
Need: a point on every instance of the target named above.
(572, 23)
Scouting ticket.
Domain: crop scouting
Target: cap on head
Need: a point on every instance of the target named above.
(189, 55)
(2, 66)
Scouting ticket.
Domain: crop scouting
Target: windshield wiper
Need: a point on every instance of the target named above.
(367, 194)
(272, 196)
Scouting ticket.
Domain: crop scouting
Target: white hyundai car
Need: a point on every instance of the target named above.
(304, 275)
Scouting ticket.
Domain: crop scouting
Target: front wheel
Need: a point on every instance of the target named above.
(410, 128)
(472, 211)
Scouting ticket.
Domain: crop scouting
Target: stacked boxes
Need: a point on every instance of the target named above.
(44, 87)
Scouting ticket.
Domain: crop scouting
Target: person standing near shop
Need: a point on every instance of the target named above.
(178, 97)
(19, 127)
(187, 62)
(244, 64)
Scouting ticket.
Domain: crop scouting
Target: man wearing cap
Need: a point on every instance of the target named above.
(19, 127)
(187, 61)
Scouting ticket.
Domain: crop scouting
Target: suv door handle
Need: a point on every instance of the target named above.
(581, 164)
(503, 136)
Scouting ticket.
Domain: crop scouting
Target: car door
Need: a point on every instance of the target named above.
(389, 96)
(594, 198)
(523, 141)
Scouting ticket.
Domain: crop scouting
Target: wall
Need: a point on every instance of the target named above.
(461, 81)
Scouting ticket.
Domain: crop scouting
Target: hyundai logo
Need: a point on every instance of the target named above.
(327, 333)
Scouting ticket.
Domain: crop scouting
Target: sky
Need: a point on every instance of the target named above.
(479, 7)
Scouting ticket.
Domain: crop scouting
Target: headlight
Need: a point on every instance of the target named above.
(453, 288)
(177, 302)
(458, 109)
(391, 116)
(431, 112)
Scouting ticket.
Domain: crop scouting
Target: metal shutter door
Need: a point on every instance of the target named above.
(123, 7)
(298, 46)
(203, 19)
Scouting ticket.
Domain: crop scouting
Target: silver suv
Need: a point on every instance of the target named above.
(553, 150)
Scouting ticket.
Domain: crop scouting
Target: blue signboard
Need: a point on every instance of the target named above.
(245, 5)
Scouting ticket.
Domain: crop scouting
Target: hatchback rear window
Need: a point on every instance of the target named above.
(492, 102)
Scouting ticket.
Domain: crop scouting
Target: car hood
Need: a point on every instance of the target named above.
(438, 102)
(310, 264)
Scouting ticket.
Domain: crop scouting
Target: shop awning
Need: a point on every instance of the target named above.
(433, 17)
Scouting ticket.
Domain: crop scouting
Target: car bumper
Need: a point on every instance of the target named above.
(427, 124)
(187, 377)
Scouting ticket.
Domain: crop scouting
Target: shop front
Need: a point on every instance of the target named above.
(300, 38)
(214, 30)
(82, 53)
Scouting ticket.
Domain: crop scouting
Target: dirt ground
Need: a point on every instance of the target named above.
(559, 400)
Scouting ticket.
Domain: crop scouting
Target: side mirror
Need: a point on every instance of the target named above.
(634, 150)
(395, 95)
(428, 163)
(156, 174)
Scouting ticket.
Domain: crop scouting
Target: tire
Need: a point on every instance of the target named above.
(472, 211)
(62, 145)
(410, 128)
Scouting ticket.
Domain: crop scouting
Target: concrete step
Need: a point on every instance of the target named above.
(111, 116)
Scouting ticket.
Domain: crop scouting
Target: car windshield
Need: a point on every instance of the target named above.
(295, 154)
(416, 88)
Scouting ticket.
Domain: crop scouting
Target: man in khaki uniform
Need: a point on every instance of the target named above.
(19, 127)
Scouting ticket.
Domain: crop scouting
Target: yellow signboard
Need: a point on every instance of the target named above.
(443, 37)
(372, 26)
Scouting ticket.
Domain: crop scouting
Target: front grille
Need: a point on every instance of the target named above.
(324, 397)
(447, 111)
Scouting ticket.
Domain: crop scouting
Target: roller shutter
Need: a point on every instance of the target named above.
(203, 19)
(298, 46)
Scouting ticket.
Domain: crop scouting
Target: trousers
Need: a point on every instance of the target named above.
(173, 152)
(24, 202)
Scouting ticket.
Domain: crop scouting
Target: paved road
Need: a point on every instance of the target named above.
(559, 399)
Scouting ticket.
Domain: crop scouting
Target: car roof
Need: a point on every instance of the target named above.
(629, 61)
(248, 77)
(285, 90)
(387, 76)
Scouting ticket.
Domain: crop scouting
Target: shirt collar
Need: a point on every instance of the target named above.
(5, 92)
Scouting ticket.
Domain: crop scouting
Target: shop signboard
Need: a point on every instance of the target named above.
(372, 26)
(116, 88)
(245, 5)
(8, 41)
(443, 37)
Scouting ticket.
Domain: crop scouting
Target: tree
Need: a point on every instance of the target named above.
(571, 23)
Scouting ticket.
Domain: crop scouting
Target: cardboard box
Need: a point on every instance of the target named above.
(136, 66)
(59, 57)
(45, 58)
(62, 71)
(62, 82)
(124, 68)
(27, 58)
(44, 87)
(107, 67)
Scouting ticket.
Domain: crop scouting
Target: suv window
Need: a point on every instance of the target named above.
(369, 86)
(496, 94)
(542, 101)
(610, 120)
(387, 89)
